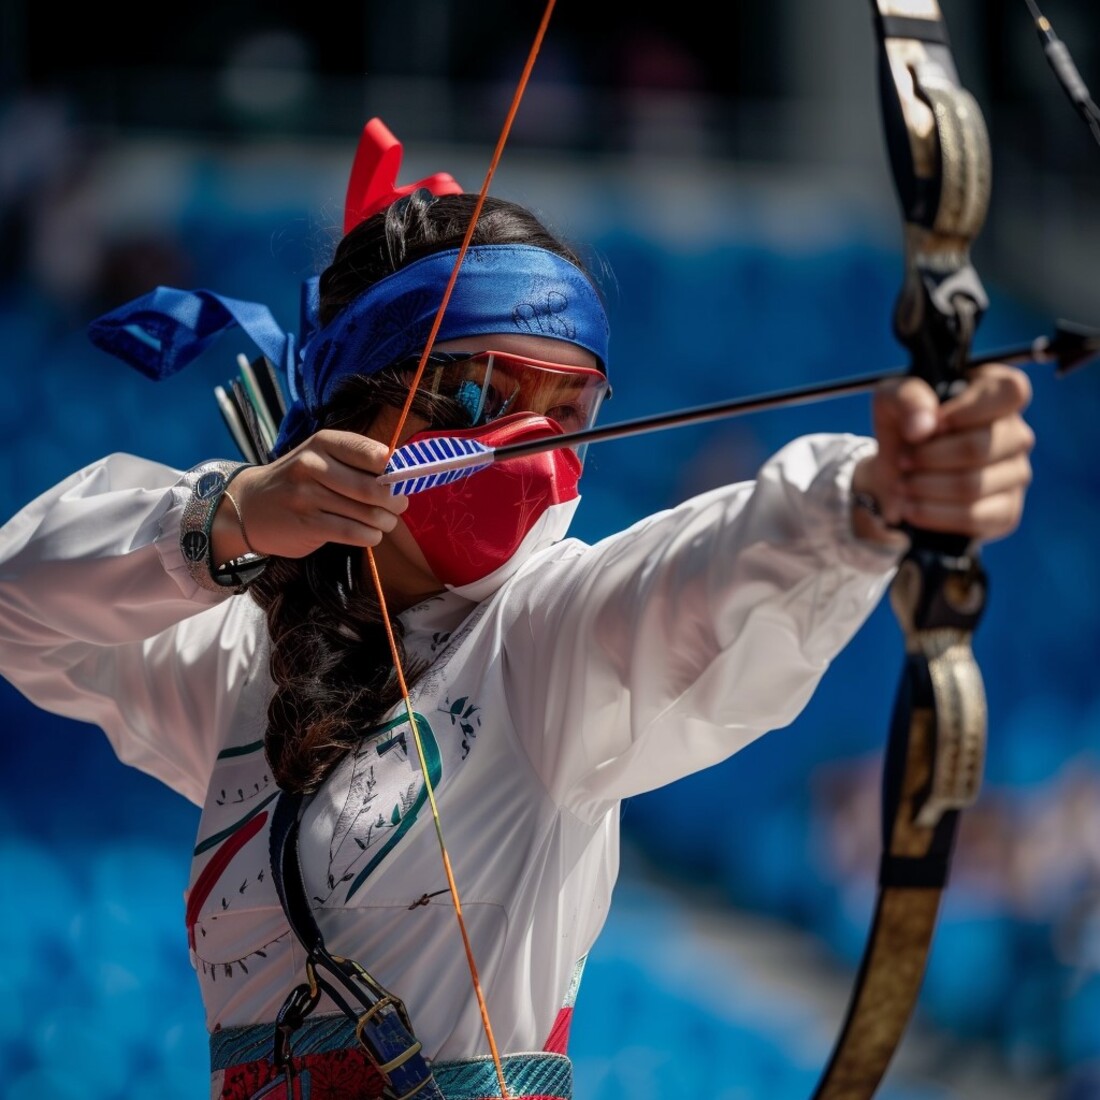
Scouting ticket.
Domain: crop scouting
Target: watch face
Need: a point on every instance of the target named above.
(240, 572)
(209, 484)
(195, 545)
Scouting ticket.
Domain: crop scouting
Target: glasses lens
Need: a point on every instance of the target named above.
(493, 384)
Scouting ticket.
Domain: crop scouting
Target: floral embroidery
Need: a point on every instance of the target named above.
(466, 717)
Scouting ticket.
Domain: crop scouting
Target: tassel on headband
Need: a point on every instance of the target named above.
(500, 288)
(373, 183)
(163, 331)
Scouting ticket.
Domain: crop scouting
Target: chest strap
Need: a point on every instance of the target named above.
(382, 1027)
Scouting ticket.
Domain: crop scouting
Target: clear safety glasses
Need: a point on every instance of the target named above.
(492, 384)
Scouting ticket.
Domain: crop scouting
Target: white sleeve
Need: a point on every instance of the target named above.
(670, 646)
(101, 621)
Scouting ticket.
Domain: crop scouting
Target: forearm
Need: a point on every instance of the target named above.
(101, 619)
(707, 625)
(97, 558)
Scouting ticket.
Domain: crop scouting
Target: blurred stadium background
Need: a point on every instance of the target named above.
(731, 173)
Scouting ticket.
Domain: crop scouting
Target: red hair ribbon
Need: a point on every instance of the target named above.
(373, 183)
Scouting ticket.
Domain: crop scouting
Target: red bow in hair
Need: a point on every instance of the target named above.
(373, 183)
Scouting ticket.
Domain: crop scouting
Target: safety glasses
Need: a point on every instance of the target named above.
(492, 384)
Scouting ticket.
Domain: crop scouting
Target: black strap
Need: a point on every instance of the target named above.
(382, 1023)
(287, 871)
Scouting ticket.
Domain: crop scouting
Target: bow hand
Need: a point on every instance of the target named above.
(960, 467)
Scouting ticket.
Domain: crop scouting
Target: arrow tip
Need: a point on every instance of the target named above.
(1072, 346)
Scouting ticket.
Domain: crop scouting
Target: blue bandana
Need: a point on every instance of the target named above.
(500, 289)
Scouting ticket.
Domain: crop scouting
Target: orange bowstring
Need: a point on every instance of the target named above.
(386, 621)
(506, 129)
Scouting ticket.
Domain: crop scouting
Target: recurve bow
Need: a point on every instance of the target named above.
(940, 156)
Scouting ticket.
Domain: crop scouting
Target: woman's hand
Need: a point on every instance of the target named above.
(325, 490)
(962, 467)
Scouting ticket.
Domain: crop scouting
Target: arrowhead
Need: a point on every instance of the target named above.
(1073, 346)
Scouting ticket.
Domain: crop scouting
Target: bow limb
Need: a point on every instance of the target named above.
(939, 153)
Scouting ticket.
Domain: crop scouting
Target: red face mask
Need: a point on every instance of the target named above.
(469, 528)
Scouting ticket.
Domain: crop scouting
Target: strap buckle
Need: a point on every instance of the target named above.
(383, 1030)
(373, 1017)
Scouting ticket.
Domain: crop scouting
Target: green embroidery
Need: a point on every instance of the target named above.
(404, 813)
(466, 717)
(217, 838)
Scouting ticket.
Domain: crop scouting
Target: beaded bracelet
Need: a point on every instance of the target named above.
(868, 503)
(208, 482)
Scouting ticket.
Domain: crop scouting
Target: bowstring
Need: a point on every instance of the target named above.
(386, 620)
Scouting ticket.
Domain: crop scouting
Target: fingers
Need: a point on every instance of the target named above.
(962, 467)
(325, 490)
(907, 410)
(351, 522)
(994, 390)
(356, 452)
(969, 484)
(910, 410)
(338, 461)
(981, 426)
(991, 517)
(971, 448)
(985, 502)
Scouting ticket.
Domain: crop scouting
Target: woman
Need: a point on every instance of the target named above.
(223, 625)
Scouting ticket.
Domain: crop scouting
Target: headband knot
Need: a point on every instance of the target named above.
(507, 288)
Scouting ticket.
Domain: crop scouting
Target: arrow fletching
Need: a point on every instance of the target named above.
(430, 462)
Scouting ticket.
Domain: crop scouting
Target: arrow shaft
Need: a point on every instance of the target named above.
(1038, 351)
(699, 415)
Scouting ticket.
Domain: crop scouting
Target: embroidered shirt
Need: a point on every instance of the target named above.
(590, 674)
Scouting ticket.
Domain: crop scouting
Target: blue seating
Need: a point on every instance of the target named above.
(735, 318)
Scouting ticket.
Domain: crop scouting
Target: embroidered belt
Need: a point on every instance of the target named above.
(331, 1064)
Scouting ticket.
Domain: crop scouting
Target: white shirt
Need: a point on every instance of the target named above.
(592, 673)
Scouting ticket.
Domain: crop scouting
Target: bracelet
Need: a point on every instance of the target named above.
(208, 482)
(240, 520)
(861, 500)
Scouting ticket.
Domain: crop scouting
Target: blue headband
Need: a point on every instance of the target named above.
(509, 288)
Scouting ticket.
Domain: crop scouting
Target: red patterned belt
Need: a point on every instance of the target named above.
(330, 1065)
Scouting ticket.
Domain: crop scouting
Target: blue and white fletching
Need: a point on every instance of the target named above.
(430, 462)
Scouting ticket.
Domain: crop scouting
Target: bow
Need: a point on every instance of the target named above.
(940, 157)
(939, 153)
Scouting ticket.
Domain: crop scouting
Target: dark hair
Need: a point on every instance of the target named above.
(330, 657)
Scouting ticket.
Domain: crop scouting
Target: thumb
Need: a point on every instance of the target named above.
(910, 410)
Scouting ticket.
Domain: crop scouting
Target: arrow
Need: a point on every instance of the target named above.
(427, 463)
